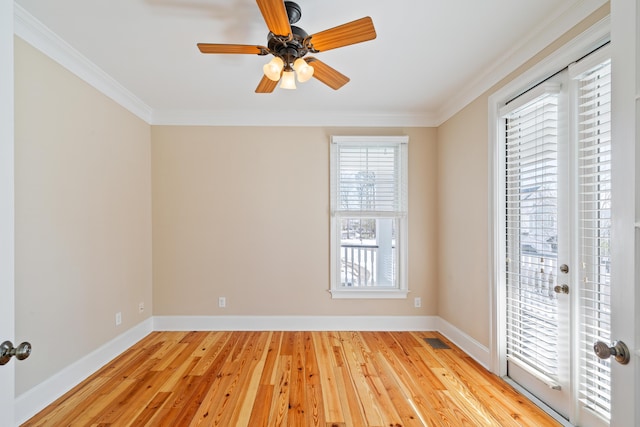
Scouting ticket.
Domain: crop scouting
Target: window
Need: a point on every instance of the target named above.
(369, 217)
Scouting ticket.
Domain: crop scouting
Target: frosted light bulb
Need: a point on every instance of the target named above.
(303, 70)
(273, 69)
(288, 80)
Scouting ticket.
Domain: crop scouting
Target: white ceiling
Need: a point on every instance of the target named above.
(429, 59)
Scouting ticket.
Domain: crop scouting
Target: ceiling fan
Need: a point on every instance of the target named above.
(290, 44)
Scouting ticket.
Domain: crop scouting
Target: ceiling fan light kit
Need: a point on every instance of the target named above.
(274, 68)
(290, 44)
(303, 70)
(288, 80)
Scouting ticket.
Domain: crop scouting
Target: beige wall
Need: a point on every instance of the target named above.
(463, 205)
(463, 221)
(244, 213)
(83, 216)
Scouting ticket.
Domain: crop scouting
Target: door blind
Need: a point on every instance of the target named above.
(532, 233)
(594, 180)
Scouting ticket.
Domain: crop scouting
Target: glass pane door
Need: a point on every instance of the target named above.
(594, 231)
(537, 314)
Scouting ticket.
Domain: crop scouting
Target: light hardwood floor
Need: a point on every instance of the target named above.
(328, 379)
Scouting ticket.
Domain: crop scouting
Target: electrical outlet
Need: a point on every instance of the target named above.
(222, 302)
(118, 318)
(417, 302)
(141, 308)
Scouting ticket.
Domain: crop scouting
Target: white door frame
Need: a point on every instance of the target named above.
(7, 318)
(625, 29)
(625, 233)
(573, 50)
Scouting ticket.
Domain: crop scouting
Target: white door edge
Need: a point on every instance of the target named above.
(7, 325)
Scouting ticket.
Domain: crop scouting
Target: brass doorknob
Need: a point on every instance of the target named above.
(7, 351)
(619, 351)
(561, 289)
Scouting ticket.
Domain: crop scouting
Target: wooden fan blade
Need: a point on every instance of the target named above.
(358, 31)
(266, 85)
(327, 75)
(229, 48)
(275, 15)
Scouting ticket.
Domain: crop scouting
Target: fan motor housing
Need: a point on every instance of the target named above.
(286, 47)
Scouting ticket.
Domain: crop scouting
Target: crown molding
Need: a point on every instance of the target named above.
(34, 32)
(546, 33)
(42, 38)
(292, 118)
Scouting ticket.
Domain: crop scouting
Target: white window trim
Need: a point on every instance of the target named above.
(400, 292)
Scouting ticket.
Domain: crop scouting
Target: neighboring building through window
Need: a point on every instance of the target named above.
(369, 217)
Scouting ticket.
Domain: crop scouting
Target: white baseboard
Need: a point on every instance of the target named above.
(34, 400)
(295, 323)
(467, 344)
(31, 402)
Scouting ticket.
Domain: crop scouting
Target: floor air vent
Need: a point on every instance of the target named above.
(436, 343)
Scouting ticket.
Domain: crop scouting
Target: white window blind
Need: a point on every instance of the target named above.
(369, 214)
(369, 179)
(532, 231)
(594, 180)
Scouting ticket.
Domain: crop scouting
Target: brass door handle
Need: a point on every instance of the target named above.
(561, 289)
(619, 351)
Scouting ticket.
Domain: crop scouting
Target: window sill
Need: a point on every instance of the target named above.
(369, 293)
